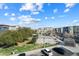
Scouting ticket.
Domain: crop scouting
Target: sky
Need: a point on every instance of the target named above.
(36, 15)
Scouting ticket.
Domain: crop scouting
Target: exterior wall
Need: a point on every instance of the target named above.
(61, 30)
(3, 28)
(71, 30)
(13, 27)
(76, 30)
(66, 29)
(7, 27)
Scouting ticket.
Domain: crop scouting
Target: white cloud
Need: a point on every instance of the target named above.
(9, 14)
(33, 7)
(27, 6)
(75, 21)
(12, 18)
(28, 19)
(46, 17)
(50, 17)
(53, 17)
(24, 18)
(35, 13)
(66, 10)
(55, 10)
(5, 7)
(6, 14)
(39, 6)
(30, 22)
(70, 5)
(13, 14)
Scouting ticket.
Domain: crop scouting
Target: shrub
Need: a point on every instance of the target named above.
(12, 37)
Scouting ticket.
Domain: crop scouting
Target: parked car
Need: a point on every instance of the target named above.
(22, 54)
(46, 52)
(61, 51)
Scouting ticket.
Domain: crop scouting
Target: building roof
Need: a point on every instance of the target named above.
(7, 25)
(3, 25)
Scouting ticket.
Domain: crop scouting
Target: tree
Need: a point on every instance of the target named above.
(10, 37)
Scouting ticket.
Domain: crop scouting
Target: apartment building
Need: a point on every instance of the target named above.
(4, 27)
(13, 27)
(69, 30)
(7, 27)
(72, 30)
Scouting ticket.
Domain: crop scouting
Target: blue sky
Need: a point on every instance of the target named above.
(36, 15)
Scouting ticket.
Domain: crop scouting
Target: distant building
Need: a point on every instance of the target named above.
(72, 30)
(75, 30)
(64, 32)
(13, 27)
(57, 30)
(66, 29)
(4, 27)
(45, 31)
(8, 27)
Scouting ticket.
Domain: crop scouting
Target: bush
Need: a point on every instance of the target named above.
(12, 37)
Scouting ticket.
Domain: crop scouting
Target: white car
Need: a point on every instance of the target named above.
(46, 52)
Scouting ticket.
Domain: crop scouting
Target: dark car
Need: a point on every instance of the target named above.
(61, 51)
(22, 54)
(46, 52)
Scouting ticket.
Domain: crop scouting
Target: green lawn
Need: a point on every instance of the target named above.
(18, 49)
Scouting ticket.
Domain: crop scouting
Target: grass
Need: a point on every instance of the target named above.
(19, 49)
